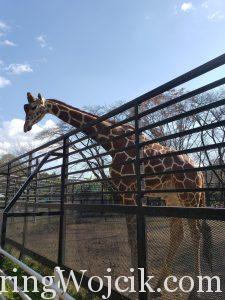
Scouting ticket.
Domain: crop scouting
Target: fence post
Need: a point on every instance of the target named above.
(36, 190)
(7, 183)
(26, 207)
(62, 225)
(141, 230)
(57, 281)
(102, 194)
(3, 229)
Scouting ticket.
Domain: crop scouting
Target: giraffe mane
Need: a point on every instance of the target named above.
(72, 107)
(82, 111)
(88, 113)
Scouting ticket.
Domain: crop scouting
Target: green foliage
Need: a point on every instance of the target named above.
(8, 266)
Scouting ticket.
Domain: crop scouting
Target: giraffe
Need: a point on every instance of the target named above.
(102, 133)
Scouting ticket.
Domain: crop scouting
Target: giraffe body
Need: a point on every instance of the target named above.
(104, 135)
(188, 180)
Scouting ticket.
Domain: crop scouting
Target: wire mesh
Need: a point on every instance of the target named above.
(98, 241)
(158, 235)
(39, 234)
(166, 144)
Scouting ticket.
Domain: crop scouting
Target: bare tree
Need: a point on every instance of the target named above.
(157, 130)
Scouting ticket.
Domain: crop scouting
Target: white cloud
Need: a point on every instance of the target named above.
(17, 69)
(42, 41)
(3, 33)
(4, 82)
(205, 4)
(39, 62)
(3, 26)
(186, 6)
(8, 43)
(42, 60)
(14, 140)
(216, 16)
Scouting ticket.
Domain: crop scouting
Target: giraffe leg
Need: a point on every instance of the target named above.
(196, 237)
(176, 237)
(131, 231)
(131, 223)
(132, 237)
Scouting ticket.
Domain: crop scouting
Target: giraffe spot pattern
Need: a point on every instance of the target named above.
(104, 135)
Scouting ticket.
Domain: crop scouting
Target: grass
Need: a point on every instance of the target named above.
(8, 266)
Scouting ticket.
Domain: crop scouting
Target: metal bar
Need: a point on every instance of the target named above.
(7, 183)
(166, 104)
(19, 290)
(122, 210)
(24, 169)
(41, 259)
(49, 186)
(36, 157)
(183, 97)
(24, 233)
(204, 68)
(176, 100)
(186, 132)
(36, 186)
(196, 169)
(26, 183)
(115, 151)
(156, 140)
(179, 171)
(185, 170)
(3, 229)
(187, 151)
(187, 190)
(169, 154)
(61, 252)
(60, 155)
(114, 296)
(51, 168)
(38, 276)
(184, 115)
(49, 177)
(102, 143)
(163, 105)
(34, 214)
(141, 230)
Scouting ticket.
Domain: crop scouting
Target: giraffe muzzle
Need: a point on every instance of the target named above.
(26, 128)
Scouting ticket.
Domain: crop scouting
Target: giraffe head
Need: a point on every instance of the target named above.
(35, 110)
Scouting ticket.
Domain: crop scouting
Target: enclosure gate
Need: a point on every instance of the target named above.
(42, 220)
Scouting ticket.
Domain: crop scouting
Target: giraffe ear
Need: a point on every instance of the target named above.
(30, 98)
(26, 108)
(40, 99)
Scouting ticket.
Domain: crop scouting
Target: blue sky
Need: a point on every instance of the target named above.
(99, 51)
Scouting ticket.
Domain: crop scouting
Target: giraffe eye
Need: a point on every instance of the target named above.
(34, 107)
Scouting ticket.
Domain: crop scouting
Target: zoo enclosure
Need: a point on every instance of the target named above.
(68, 190)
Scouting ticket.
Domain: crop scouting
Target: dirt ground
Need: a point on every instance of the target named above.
(98, 243)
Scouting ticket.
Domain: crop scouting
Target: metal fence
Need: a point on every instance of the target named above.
(63, 205)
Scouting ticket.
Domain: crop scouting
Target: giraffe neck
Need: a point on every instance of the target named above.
(78, 118)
